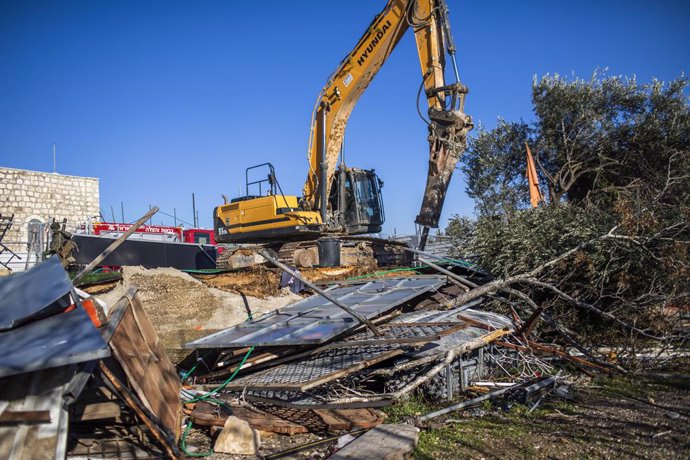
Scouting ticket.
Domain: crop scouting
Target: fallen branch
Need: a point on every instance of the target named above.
(586, 306)
(551, 351)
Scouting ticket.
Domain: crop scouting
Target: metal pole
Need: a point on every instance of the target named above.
(175, 216)
(112, 212)
(194, 211)
(464, 404)
(122, 212)
(323, 185)
(321, 292)
(114, 245)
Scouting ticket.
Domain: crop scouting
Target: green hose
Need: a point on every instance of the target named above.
(207, 398)
(183, 444)
(224, 384)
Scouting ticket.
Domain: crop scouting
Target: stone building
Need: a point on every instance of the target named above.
(35, 198)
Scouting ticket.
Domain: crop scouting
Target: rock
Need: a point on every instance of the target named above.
(386, 442)
(237, 437)
(344, 440)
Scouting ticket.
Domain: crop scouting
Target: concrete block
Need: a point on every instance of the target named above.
(386, 442)
(237, 437)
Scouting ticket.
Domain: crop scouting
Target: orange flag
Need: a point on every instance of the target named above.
(535, 195)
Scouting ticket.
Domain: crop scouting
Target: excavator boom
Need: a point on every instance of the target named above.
(448, 125)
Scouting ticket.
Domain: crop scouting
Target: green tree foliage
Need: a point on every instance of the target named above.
(613, 158)
(461, 230)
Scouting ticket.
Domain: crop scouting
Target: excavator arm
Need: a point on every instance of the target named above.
(448, 125)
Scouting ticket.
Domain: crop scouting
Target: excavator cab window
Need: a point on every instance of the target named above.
(368, 196)
(356, 195)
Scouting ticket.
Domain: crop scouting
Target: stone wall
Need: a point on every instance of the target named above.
(33, 195)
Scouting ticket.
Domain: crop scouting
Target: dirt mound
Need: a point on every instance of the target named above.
(256, 281)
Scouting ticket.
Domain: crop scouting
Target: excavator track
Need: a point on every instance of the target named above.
(354, 250)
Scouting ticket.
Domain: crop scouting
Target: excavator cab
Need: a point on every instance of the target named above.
(356, 201)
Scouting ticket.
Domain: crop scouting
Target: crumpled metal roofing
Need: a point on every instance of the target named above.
(315, 320)
(29, 294)
(61, 339)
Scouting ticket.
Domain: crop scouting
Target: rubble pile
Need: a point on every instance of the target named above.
(96, 374)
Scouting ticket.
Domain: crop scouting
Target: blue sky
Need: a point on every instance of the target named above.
(160, 99)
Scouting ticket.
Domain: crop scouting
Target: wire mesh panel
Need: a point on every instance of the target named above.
(317, 369)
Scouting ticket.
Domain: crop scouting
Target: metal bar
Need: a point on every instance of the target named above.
(464, 404)
(194, 211)
(115, 244)
(321, 292)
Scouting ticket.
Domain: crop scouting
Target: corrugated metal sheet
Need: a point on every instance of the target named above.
(315, 320)
(30, 293)
(62, 339)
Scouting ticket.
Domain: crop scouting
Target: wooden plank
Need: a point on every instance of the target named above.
(361, 418)
(265, 421)
(136, 347)
(161, 433)
(206, 415)
(331, 419)
(416, 324)
(348, 419)
(96, 411)
(317, 404)
(25, 416)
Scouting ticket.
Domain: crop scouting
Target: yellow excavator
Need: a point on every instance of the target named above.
(338, 202)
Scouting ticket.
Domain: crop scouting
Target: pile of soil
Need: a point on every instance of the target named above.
(263, 282)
